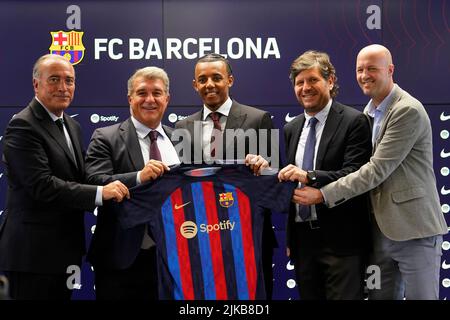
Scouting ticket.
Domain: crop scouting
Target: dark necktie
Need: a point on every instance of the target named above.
(147, 241)
(308, 162)
(216, 132)
(154, 150)
(60, 123)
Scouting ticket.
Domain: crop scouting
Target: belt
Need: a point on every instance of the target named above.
(311, 224)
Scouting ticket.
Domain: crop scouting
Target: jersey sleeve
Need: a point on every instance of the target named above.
(264, 190)
(145, 201)
(274, 195)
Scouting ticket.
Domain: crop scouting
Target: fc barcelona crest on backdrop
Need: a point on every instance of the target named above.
(226, 199)
(68, 44)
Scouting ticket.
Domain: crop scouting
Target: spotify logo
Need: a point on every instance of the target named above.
(445, 245)
(188, 229)
(95, 118)
(173, 117)
(291, 283)
(446, 282)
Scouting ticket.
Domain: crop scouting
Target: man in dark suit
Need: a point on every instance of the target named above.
(43, 231)
(213, 80)
(125, 260)
(328, 141)
(245, 130)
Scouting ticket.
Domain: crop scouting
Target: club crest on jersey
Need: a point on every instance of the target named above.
(226, 199)
(68, 44)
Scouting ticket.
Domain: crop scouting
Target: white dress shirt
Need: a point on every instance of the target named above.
(168, 156)
(168, 153)
(208, 125)
(321, 117)
(99, 194)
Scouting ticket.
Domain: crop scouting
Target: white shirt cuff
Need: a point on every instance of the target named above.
(99, 196)
(138, 178)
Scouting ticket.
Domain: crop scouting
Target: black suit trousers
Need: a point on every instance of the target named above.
(322, 275)
(138, 282)
(36, 286)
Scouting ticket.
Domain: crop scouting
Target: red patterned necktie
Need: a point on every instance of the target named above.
(216, 132)
(154, 150)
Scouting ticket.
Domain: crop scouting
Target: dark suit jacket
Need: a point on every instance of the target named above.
(43, 231)
(240, 117)
(114, 154)
(345, 145)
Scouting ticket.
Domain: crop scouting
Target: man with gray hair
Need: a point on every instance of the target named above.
(327, 141)
(42, 234)
(134, 151)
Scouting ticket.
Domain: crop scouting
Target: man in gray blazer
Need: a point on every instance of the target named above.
(405, 203)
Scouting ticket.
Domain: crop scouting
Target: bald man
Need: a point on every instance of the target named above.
(407, 220)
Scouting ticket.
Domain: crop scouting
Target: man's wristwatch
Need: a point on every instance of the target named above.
(311, 176)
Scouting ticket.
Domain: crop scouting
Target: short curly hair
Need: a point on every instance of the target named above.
(311, 59)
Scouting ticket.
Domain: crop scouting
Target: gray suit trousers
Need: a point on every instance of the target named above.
(409, 269)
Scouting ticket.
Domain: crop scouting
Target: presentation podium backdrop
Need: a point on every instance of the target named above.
(108, 40)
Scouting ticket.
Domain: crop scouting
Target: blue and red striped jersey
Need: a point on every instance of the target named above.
(208, 229)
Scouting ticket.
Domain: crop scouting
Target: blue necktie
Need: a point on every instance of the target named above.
(308, 162)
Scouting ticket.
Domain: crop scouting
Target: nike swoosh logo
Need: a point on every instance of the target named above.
(1, 212)
(445, 265)
(181, 205)
(74, 115)
(290, 266)
(445, 191)
(445, 154)
(444, 117)
(288, 118)
(1, 175)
